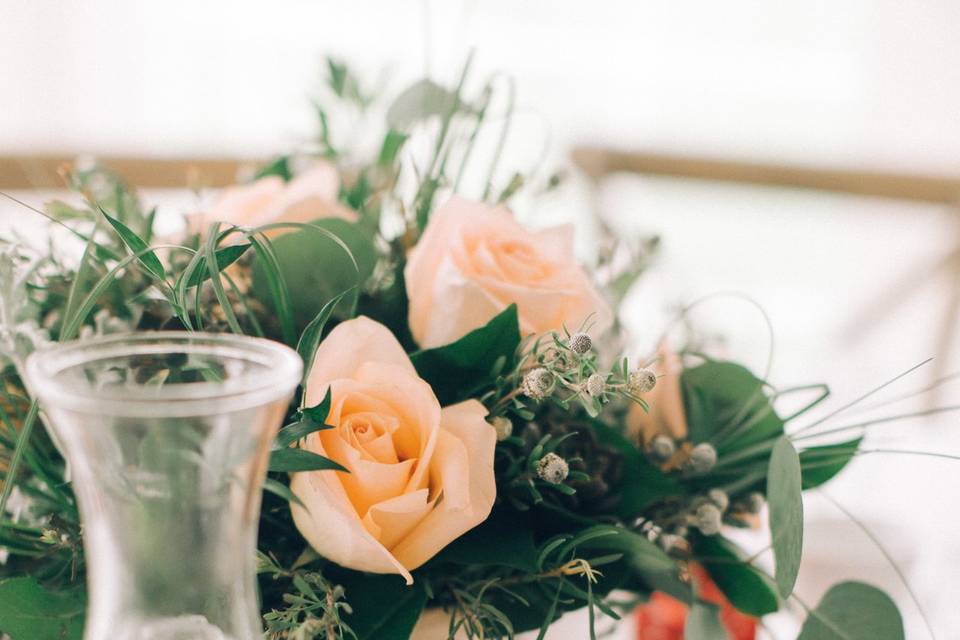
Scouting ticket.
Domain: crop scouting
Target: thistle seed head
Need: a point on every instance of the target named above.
(536, 383)
(580, 343)
(662, 448)
(703, 457)
(720, 498)
(553, 469)
(503, 427)
(708, 519)
(596, 385)
(641, 381)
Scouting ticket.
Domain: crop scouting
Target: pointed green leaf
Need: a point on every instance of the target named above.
(225, 257)
(821, 464)
(310, 338)
(424, 99)
(383, 607)
(786, 513)
(313, 419)
(854, 611)
(137, 246)
(292, 460)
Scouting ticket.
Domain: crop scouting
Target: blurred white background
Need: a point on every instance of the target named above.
(849, 83)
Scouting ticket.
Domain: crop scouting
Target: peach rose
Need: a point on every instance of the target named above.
(420, 476)
(310, 195)
(473, 261)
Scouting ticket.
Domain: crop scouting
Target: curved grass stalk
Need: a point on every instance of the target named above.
(886, 554)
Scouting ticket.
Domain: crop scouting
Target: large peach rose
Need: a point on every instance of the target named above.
(473, 261)
(420, 476)
(310, 195)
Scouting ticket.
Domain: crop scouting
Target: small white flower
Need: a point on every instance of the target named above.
(596, 385)
(720, 498)
(708, 519)
(580, 343)
(669, 541)
(703, 457)
(553, 469)
(641, 381)
(503, 427)
(662, 448)
(536, 383)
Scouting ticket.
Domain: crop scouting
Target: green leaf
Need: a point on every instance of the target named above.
(703, 623)
(392, 143)
(853, 611)
(136, 245)
(279, 167)
(422, 100)
(643, 483)
(312, 419)
(225, 257)
(310, 338)
(658, 570)
(746, 589)
(291, 460)
(29, 612)
(469, 360)
(384, 608)
(316, 268)
(504, 539)
(717, 394)
(820, 464)
(786, 513)
(281, 490)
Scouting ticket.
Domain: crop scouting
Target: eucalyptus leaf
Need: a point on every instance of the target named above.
(30, 612)
(315, 267)
(786, 513)
(854, 611)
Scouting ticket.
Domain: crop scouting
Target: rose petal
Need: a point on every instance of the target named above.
(463, 467)
(391, 520)
(333, 529)
(349, 345)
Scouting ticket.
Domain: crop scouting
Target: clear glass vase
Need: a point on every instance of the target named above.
(168, 436)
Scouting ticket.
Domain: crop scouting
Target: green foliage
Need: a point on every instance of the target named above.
(422, 100)
(315, 267)
(821, 464)
(279, 167)
(309, 420)
(383, 607)
(30, 612)
(137, 246)
(854, 611)
(291, 460)
(643, 482)
(310, 338)
(474, 358)
(505, 539)
(746, 588)
(726, 405)
(786, 513)
(225, 257)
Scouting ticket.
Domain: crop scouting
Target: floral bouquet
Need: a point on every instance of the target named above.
(467, 445)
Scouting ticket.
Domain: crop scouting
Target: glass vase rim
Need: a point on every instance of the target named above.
(247, 390)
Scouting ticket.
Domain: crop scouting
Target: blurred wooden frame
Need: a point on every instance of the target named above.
(44, 172)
